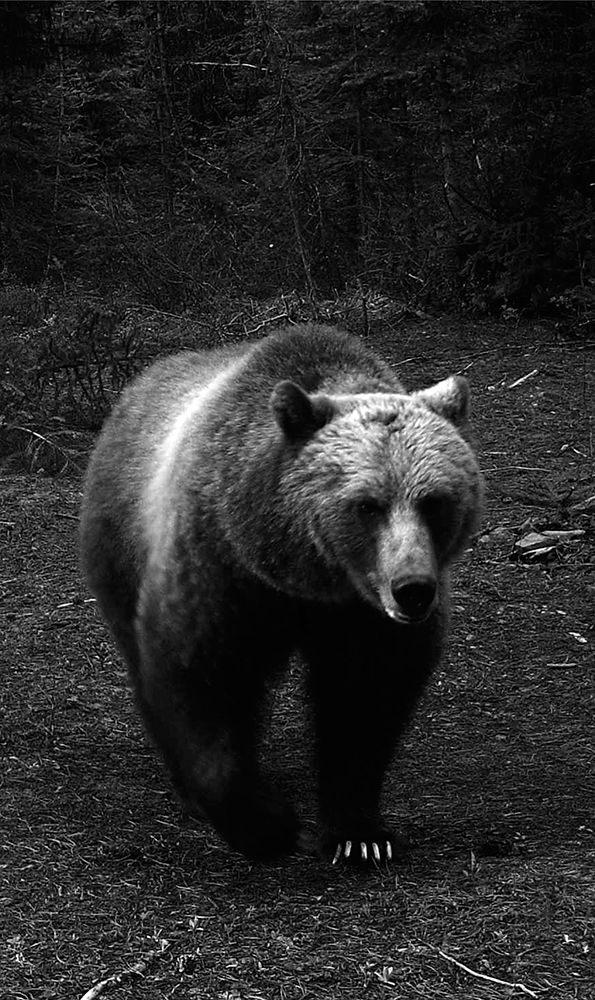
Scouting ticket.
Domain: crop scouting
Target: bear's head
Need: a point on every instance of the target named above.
(385, 486)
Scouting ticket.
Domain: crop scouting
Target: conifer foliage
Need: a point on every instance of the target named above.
(442, 152)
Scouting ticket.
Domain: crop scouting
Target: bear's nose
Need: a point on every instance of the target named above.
(414, 596)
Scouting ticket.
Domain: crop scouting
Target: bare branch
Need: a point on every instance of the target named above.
(481, 975)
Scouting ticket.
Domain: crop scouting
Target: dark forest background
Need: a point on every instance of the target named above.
(177, 173)
(441, 152)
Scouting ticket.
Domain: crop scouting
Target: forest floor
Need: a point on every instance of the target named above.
(103, 881)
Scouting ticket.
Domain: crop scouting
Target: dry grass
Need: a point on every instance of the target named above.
(101, 877)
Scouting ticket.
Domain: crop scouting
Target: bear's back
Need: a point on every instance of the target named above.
(129, 453)
(319, 359)
(194, 420)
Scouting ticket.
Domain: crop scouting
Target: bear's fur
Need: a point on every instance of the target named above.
(280, 496)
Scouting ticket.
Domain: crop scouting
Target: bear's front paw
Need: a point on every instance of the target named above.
(380, 848)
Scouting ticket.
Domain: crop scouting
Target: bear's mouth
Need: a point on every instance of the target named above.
(409, 619)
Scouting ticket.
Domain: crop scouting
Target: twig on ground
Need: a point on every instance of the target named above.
(522, 379)
(516, 468)
(266, 322)
(481, 975)
(118, 978)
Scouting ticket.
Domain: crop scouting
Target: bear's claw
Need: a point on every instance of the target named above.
(366, 853)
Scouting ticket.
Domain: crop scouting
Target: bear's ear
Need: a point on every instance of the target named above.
(298, 414)
(449, 398)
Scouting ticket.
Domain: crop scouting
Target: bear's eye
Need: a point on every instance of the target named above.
(369, 508)
(437, 511)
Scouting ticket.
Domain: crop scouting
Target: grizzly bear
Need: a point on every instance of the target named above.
(271, 498)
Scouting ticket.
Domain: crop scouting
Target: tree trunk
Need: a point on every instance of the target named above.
(449, 166)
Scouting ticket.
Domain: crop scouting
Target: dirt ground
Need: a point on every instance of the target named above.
(106, 889)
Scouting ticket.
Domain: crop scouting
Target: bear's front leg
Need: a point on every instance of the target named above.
(366, 675)
(200, 692)
(355, 742)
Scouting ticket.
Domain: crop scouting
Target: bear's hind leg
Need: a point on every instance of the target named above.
(203, 712)
(112, 584)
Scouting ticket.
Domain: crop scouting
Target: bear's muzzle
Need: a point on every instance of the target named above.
(414, 597)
